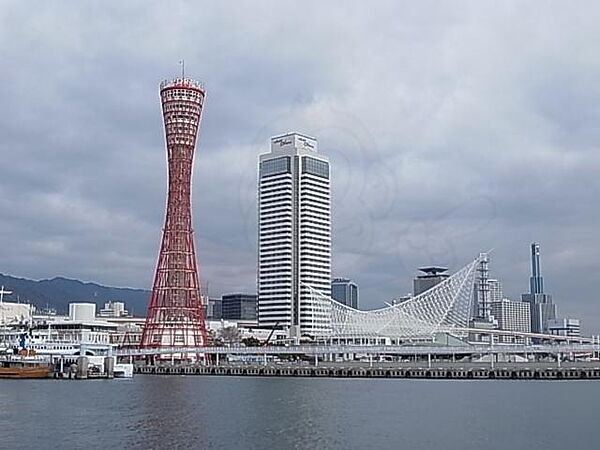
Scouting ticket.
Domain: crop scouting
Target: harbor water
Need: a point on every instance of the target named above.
(298, 413)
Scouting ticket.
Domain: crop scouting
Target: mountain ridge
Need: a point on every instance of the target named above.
(59, 291)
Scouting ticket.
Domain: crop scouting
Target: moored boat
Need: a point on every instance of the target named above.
(23, 367)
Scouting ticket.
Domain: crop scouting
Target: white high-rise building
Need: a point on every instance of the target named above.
(511, 316)
(294, 237)
(495, 290)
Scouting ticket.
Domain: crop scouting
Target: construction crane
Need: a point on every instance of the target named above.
(271, 334)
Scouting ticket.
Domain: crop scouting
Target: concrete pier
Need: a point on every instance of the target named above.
(82, 368)
(109, 367)
(525, 371)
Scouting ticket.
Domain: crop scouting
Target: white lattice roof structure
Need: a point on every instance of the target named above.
(445, 308)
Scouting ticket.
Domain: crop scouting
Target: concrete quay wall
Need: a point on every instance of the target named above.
(513, 372)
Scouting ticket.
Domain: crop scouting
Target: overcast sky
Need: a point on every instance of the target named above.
(452, 128)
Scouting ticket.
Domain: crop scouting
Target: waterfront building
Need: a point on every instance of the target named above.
(127, 334)
(67, 336)
(294, 237)
(441, 314)
(564, 327)
(113, 309)
(432, 275)
(15, 313)
(239, 307)
(345, 291)
(511, 316)
(540, 304)
(71, 332)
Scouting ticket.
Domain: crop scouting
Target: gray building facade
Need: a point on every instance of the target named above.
(431, 276)
(213, 309)
(239, 306)
(565, 327)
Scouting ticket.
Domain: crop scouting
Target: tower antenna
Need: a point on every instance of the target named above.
(182, 62)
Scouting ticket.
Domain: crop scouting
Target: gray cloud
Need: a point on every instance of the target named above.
(452, 129)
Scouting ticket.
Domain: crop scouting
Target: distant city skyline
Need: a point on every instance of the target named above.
(469, 128)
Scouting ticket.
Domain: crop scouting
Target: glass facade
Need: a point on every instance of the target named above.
(239, 307)
(315, 167)
(345, 291)
(275, 166)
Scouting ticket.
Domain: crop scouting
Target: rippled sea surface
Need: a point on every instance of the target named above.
(283, 413)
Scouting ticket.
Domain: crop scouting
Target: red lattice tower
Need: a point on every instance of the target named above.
(176, 314)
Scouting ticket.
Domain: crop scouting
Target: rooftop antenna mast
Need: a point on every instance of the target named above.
(182, 62)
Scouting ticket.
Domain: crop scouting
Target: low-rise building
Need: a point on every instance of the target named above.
(15, 313)
(565, 327)
(113, 309)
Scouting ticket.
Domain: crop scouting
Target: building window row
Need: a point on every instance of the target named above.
(269, 253)
(315, 166)
(282, 201)
(271, 266)
(275, 194)
(280, 282)
(310, 189)
(316, 228)
(319, 243)
(264, 209)
(275, 221)
(311, 201)
(275, 166)
(278, 229)
(276, 218)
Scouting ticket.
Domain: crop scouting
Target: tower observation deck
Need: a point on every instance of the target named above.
(175, 313)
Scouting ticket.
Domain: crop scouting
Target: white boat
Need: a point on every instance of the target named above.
(123, 370)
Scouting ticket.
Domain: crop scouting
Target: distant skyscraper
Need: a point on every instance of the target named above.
(345, 291)
(536, 282)
(432, 275)
(540, 304)
(294, 242)
(239, 307)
